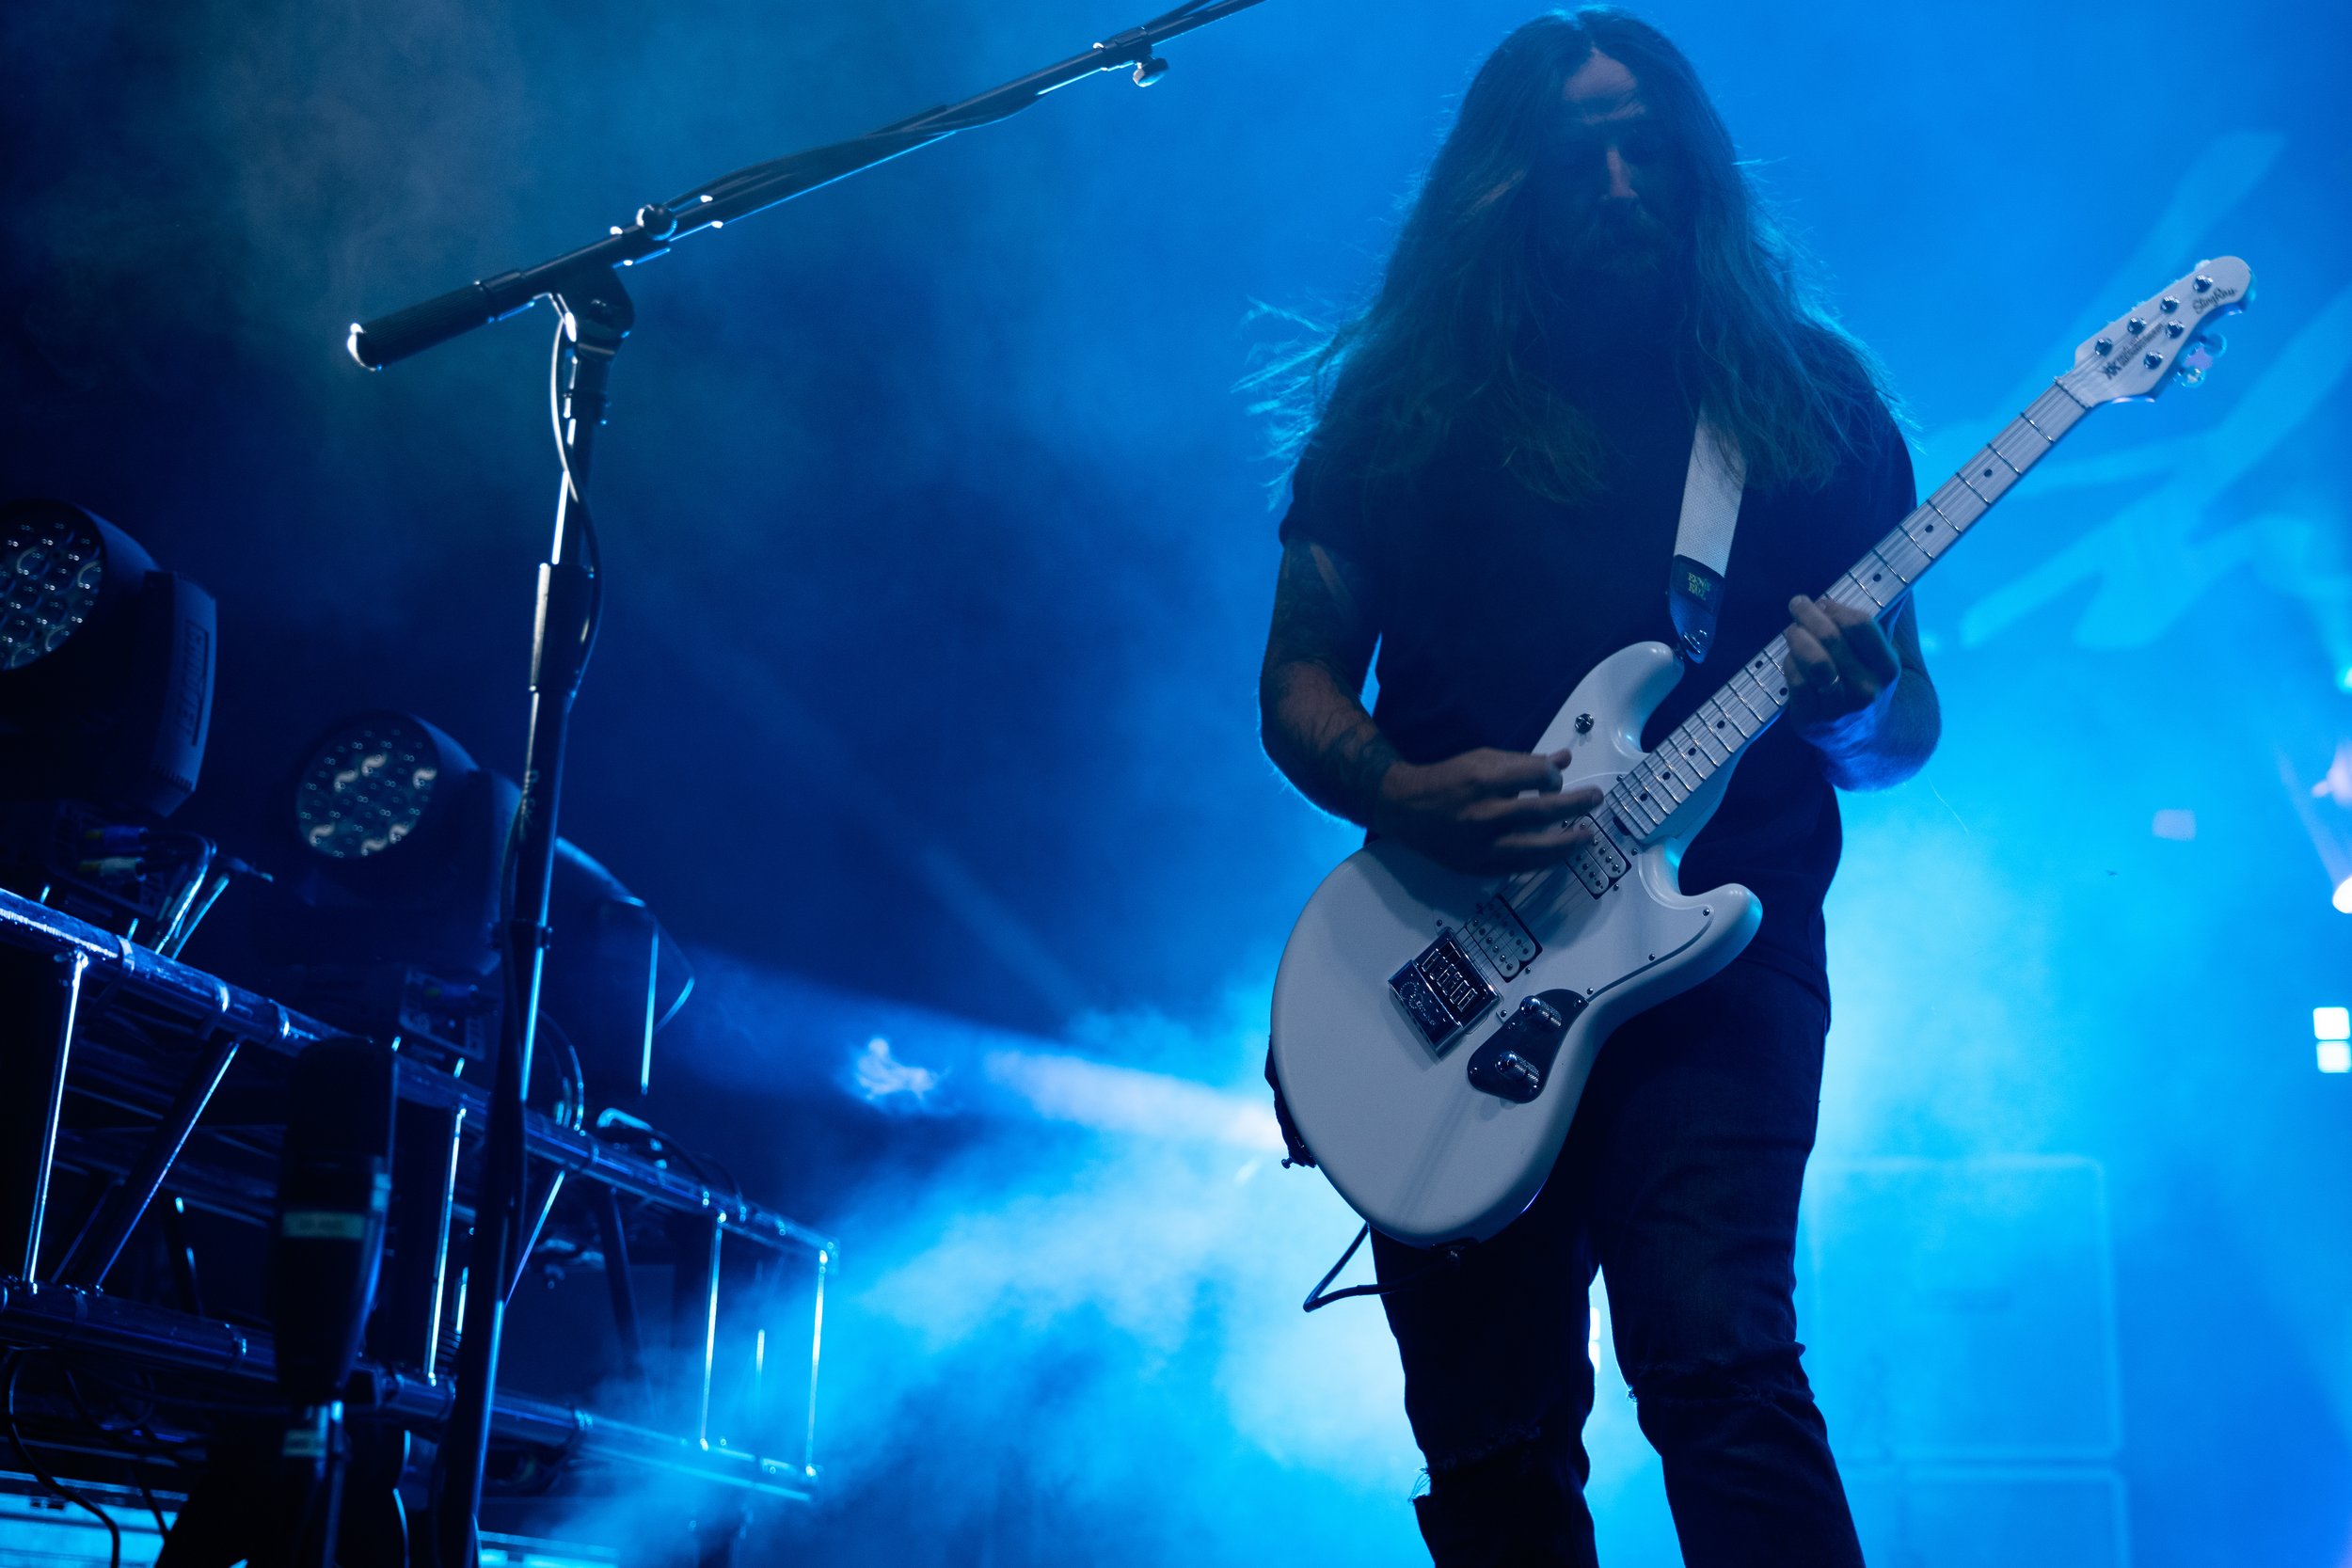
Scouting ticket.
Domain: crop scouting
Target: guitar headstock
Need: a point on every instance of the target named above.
(2169, 334)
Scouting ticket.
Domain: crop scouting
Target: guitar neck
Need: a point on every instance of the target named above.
(1745, 706)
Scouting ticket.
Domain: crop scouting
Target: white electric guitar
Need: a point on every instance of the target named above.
(1432, 1032)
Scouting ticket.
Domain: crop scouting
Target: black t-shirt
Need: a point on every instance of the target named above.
(1492, 603)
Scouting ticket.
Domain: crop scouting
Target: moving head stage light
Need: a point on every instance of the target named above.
(395, 841)
(106, 664)
(106, 699)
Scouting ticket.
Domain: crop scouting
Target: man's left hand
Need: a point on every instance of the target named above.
(1840, 667)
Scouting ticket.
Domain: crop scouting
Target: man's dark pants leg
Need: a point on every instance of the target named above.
(1680, 1184)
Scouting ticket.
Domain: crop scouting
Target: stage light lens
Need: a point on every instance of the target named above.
(2335, 1055)
(2343, 899)
(51, 567)
(2331, 1024)
(367, 789)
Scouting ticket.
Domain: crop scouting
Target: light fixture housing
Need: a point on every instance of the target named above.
(106, 664)
(394, 843)
(397, 841)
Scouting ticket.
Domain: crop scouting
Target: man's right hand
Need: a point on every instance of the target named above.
(1485, 812)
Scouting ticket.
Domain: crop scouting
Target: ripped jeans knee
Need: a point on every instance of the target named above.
(1519, 1504)
(1721, 1402)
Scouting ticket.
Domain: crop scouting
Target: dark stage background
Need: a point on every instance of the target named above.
(940, 544)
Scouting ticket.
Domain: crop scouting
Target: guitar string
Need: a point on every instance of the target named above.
(2029, 435)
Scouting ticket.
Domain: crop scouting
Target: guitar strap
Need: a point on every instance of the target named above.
(1710, 510)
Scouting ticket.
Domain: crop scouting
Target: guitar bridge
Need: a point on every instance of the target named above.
(1441, 990)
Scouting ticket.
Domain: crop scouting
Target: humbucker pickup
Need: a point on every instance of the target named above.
(1441, 990)
(1495, 927)
(1597, 863)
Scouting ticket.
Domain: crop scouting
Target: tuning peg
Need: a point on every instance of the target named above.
(2189, 375)
(2214, 344)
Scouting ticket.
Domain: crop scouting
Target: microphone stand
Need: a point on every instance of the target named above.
(594, 316)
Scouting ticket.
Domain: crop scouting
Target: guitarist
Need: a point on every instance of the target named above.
(1492, 463)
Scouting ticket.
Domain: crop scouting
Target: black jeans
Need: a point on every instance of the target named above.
(1678, 1182)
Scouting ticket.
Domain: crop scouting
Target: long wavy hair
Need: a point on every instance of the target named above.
(1454, 339)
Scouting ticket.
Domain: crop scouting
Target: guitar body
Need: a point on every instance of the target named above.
(1396, 1122)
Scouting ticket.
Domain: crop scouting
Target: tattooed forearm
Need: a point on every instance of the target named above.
(1317, 733)
(1310, 691)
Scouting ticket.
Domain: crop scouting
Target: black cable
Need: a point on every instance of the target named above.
(217, 1404)
(148, 1446)
(684, 992)
(1447, 1256)
(592, 552)
(592, 547)
(701, 1167)
(51, 1483)
(133, 1439)
(162, 1529)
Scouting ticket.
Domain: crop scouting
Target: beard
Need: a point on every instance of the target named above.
(1613, 243)
(1617, 278)
(1615, 265)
